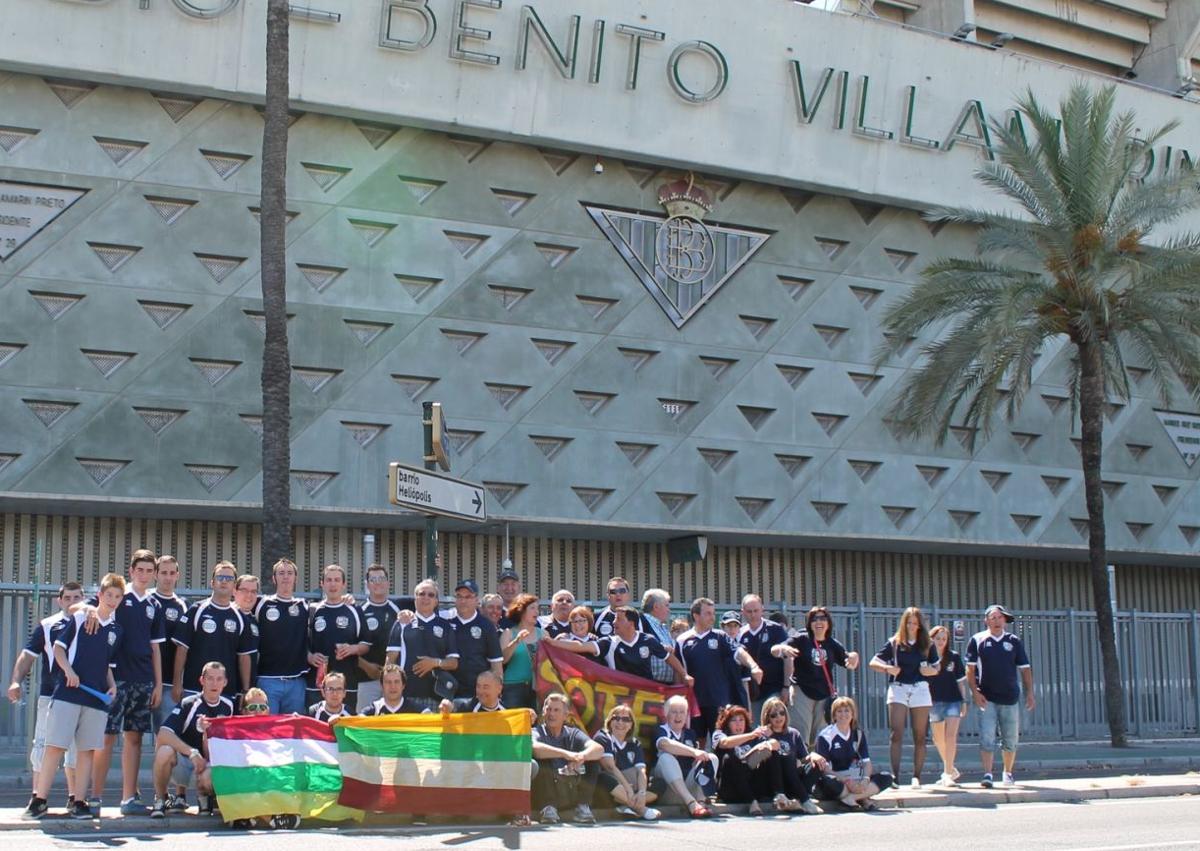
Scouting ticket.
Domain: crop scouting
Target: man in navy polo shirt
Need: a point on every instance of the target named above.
(40, 647)
(425, 644)
(282, 620)
(758, 636)
(213, 630)
(139, 677)
(993, 658)
(379, 613)
(711, 660)
(477, 639)
(619, 594)
(336, 637)
(626, 650)
(558, 622)
(166, 577)
(76, 714)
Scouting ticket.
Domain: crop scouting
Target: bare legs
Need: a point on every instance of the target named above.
(898, 713)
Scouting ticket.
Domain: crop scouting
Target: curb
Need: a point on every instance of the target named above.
(978, 798)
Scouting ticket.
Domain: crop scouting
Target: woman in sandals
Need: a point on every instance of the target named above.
(688, 772)
(623, 766)
(910, 661)
(950, 702)
(844, 747)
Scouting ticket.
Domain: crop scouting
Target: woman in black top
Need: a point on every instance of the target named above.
(744, 750)
(623, 766)
(950, 703)
(814, 654)
(909, 660)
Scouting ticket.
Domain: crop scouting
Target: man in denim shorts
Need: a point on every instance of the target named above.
(993, 658)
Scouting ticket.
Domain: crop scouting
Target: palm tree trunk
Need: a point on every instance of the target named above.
(276, 364)
(1091, 421)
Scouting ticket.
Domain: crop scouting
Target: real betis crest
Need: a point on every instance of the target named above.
(678, 258)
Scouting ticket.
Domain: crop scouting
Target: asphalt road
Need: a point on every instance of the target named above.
(1148, 823)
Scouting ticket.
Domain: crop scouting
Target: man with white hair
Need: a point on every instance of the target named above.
(425, 647)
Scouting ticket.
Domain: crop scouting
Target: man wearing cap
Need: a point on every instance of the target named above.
(731, 625)
(509, 588)
(477, 638)
(993, 658)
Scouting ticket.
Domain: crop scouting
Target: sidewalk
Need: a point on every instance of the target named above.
(1034, 791)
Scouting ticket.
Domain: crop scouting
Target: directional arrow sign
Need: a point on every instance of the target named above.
(434, 493)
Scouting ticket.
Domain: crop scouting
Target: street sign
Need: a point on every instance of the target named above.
(433, 493)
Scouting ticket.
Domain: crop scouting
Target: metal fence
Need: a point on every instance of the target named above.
(1160, 655)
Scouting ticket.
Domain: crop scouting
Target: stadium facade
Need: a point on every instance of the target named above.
(476, 190)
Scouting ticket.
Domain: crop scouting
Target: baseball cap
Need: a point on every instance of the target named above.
(730, 617)
(996, 607)
(509, 573)
(469, 584)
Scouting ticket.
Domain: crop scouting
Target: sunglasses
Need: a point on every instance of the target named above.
(622, 719)
(256, 707)
(221, 577)
(819, 618)
(618, 590)
(777, 715)
(427, 594)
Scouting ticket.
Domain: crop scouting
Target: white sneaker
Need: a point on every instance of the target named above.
(947, 780)
(629, 812)
(810, 807)
(651, 814)
(549, 815)
(1008, 780)
(915, 783)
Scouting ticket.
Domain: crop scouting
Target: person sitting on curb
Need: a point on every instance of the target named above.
(181, 747)
(688, 771)
(255, 703)
(394, 701)
(844, 747)
(623, 777)
(567, 763)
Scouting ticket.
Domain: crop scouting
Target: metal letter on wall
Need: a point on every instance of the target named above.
(421, 9)
(198, 10)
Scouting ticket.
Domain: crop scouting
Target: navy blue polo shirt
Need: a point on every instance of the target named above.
(41, 646)
(143, 623)
(686, 736)
(815, 660)
(604, 622)
(90, 656)
(407, 706)
(944, 687)
(478, 647)
(331, 624)
(633, 657)
(184, 718)
(213, 633)
(627, 754)
(908, 658)
(282, 636)
(842, 752)
(996, 660)
(434, 637)
(321, 713)
(758, 645)
(710, 659)
(378, 619)
(174, 608)
(553, 628)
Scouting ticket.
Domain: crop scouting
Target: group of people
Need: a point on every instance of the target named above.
(767, 726)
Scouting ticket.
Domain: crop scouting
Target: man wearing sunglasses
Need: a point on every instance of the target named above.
(213, 630)
(619, 594)
(425, 646)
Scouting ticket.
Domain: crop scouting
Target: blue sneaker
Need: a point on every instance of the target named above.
(134, 807)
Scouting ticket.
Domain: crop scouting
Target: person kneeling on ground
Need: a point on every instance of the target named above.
(566, 761)
(623, 777)
(844, 746)
(181, 748)
(689, 772)
(255, 703)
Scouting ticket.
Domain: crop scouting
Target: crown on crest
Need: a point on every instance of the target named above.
(685, 197)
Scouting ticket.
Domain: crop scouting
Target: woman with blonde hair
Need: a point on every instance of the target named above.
(623, 766)
(950, 702)
(844, 747)
(910, 661)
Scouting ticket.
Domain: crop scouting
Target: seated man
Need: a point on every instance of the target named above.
(182, 735)
(333, 688)
(393, 701)
(567, 763)
(488, 687)
(255, 703)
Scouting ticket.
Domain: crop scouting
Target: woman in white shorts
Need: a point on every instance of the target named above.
(909, 659)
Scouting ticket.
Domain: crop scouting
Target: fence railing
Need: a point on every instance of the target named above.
(1160, 665)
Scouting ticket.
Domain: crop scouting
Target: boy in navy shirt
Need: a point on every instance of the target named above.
(40, 647)
(282, 620)
(993, 659)
(336, 636)
(139, 675)
(78, 715)
(213, 630)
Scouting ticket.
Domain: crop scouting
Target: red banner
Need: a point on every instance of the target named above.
(593, 689)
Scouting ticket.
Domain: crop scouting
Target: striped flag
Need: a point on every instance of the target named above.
(460, 764)
(264, 766)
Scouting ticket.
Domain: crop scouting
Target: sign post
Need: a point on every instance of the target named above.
(433, 493)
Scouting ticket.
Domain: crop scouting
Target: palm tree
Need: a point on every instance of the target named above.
(276, 364)
(1073, 263)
